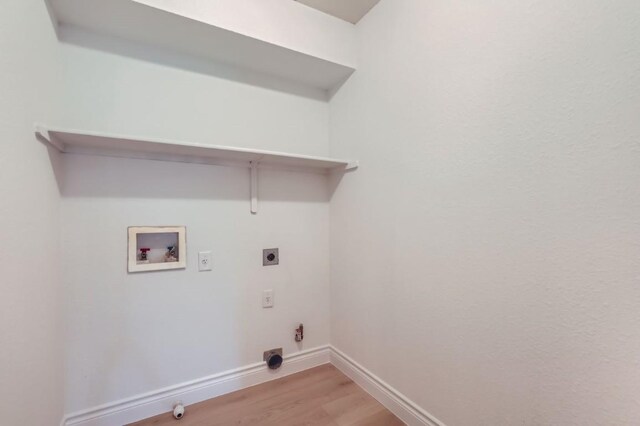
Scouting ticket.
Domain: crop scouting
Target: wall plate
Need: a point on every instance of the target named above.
(204, 261)
(270, 257)
(267, 299)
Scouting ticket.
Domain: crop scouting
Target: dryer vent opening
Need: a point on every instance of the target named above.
(273, 358)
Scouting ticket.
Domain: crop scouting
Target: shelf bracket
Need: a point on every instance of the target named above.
(254, 187)
(352, 165)
(42, 133)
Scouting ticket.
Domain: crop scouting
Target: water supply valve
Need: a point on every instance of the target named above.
(143, 254)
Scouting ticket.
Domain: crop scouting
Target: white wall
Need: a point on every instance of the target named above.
(488, 242)
(113, 91)
(133, 333)
(485, 257)
(31, 364)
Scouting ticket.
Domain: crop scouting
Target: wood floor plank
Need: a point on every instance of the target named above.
(321, 396)
(381, 418)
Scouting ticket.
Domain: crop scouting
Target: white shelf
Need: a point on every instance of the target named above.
(92, 143)
(133, 21)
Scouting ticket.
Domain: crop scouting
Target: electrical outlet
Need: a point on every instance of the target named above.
(204, 261)
(267, 299)
(270, 257)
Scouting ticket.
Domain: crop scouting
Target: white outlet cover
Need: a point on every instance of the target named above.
(205, 261)
(267, 299)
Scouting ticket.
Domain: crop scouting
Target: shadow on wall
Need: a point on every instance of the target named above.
(162, 56)
(57, 166)
(96, 176)
(335, 177)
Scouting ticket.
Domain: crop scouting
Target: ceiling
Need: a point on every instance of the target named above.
(349, 10)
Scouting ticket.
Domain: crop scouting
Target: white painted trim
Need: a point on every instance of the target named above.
(161, 401)
(405, 409)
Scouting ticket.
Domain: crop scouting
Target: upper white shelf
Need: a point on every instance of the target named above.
(81, 142)
(133, 21)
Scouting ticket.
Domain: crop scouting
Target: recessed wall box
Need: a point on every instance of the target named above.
(157, 248)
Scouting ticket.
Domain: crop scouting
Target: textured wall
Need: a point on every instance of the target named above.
(134, 333)
(489, 242)
(121, 87)
(31, 344)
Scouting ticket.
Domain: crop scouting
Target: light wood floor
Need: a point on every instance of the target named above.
(320, 396)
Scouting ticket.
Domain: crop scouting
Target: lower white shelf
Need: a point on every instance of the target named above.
(93, 143)
(83, 142)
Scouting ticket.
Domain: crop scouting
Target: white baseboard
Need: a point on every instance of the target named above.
(161, 401)
(405, 409)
